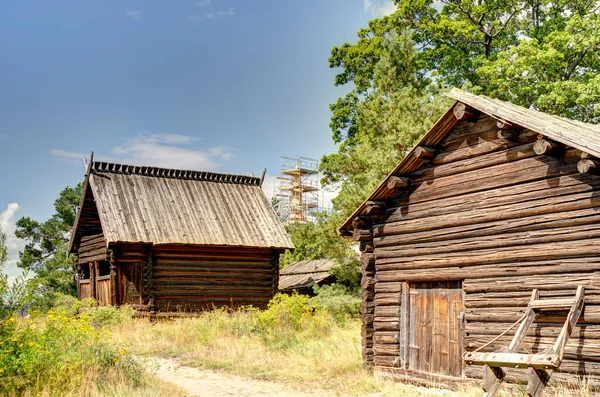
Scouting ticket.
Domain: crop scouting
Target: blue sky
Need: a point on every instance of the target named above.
(222, 85)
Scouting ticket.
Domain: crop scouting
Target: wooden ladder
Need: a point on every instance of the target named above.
(541, 365)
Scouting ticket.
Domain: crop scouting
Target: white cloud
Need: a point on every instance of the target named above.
(379, 8)
(135, 15)
(14, 245)
(204, 3)
(194, 18)
(161, 150)
(220, 14)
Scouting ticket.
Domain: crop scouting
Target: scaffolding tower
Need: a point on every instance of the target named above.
(297, 192)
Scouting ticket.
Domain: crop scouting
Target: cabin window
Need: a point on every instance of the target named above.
(85, 272)
(103, 268)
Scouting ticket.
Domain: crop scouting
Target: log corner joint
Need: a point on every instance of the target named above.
(396, 182)
(546, 147)
(588, 165)
(463, 112)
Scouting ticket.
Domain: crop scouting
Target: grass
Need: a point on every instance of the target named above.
(293, 342)
(80, 350)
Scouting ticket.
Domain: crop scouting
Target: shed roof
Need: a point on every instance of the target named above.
(577, 134)
(305, 273)
(166, 206)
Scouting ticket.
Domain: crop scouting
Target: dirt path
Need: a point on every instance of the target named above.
(207, 383)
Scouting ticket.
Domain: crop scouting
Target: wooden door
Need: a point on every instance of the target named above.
(130, 283)
(435, 336)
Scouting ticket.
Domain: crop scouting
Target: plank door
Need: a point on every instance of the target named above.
(435, 336)
(130, 282)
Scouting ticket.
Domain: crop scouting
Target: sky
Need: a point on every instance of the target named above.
(216, 85)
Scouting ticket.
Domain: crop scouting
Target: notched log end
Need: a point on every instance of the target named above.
(463, 112)
(546, 147)
(588, 165)
(425, 153)
(396, 182)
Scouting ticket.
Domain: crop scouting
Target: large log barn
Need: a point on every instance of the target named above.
(491, 218)
(171, 240)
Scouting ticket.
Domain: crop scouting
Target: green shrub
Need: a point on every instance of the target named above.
(55, 354)
(108, 316)
(290, 318)
(338, 301)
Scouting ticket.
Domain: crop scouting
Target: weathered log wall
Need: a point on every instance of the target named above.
(92, 248)
(184, 278)
(487, 210)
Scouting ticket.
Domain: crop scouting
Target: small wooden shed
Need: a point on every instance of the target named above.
(167, 240)
(302, 276)
(495, 201)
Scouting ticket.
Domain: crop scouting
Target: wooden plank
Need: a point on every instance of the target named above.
(404, 339)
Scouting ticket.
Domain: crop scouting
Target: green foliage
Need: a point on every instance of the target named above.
(46, 251)
(392, 115)
(290, 318)
(318, 240)
(558, 74)
(54, 355)
(3, 249)
(14, 296)
(538, 53)
(339, 301)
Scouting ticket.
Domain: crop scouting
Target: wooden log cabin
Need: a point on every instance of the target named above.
(495, 201)
(170, 240)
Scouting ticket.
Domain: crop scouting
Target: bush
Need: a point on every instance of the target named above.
(338, 301)
(289, 318)
(57, 353)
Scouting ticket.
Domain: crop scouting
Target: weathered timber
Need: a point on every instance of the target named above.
(396, 182)
(424, 153)
(362, 235)
(501, 212)
(588, 165)
(482, 148)
(545, 147)
(362, 222)
(464, 112)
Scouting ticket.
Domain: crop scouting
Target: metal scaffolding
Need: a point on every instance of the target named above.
(297, 192)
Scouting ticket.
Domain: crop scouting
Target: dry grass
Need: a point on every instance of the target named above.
(330, 361)
(327, 358)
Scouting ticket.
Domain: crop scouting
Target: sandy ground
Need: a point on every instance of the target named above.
(207, 383)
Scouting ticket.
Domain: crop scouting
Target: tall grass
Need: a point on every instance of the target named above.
(294, 341)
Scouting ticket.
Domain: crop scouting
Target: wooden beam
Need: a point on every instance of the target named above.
(587, 165)
(362, 235)
(537, 381)
(362, 222)
(425, 153)
(366, 246)
(404, 341)
(396, 182)
(545, 147)
(114, 300)
(375, 207)
(513, 360)
(464, 112)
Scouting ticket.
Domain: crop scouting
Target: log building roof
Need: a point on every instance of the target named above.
(154, 205)
(304, 274)
(577, 134)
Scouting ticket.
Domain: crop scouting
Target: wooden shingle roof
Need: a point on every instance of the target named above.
(577, 134)
(304, 274)
(166, 206)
